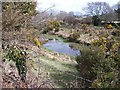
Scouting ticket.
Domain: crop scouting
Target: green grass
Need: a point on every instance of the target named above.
(62, 66)
(47, 49)
(52, 37)
(58, 70)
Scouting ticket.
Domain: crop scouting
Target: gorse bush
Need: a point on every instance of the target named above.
(15, 17)
(74, 36)
(84, 26)
(16, 14)
(109, 45)
(19, 56)
(116, 33)
(101, 65)
(107, 74)
(109, 26)
(109, 68)
(52, 25)
(37, 42)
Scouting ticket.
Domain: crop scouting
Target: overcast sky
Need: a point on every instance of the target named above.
(69, 5)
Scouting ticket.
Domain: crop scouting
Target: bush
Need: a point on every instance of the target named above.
(52, 25)
(96, 20)
(16, 14)
(102, 65)
(18, 56)
(37, 42)
(109, 26)
(107, 74)
(116, 33)
(84, 26)
(109, 68)
(88, 63)
(74, 36)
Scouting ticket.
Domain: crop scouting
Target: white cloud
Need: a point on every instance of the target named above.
(68, 5)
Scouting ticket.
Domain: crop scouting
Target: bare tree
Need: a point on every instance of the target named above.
(97, 8)
(61, 15)
(71, 13)
(118, 10)
(71, 19)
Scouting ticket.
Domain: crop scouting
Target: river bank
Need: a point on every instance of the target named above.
(45, 68)
(44, 64)
(81, 36)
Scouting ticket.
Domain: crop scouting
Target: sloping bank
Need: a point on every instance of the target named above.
(56, 69)
(45, 69)
(73, 36)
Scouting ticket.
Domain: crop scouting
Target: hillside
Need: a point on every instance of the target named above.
(47, 52)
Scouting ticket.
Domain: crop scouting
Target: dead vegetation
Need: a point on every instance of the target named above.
(17, 33)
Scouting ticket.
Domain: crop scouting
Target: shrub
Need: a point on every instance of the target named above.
(107, 74)
(109, 26)
(96, 20)
(109, 68)
(84, 26)
(116, 33)
(16, 14)
(87, 64)
(52, 25)
(37, 42)
(107, 44)
(102, 65)
(74, 36)
(18, 56)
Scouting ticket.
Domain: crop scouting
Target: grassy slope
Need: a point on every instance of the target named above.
(58, 73)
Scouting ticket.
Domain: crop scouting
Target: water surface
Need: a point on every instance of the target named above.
(61, 47)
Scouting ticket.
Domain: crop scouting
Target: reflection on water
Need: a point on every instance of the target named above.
(61, 47)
